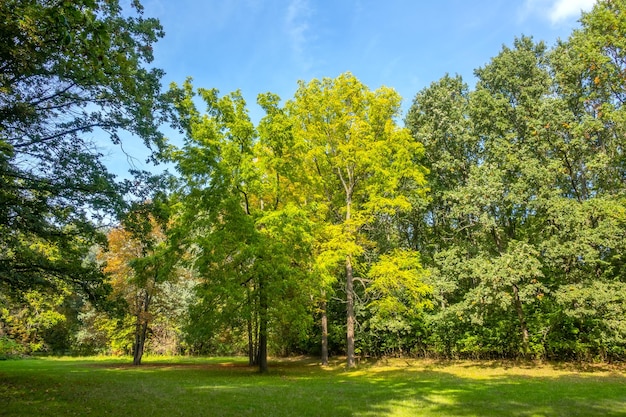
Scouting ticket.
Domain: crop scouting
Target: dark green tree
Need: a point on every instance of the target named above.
(69, 71)
(524, 231)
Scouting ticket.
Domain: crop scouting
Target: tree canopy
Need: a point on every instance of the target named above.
(70, 71)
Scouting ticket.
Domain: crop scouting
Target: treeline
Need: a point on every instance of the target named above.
(492, 224)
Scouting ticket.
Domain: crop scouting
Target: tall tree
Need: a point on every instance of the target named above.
(248, 240)
(586, 241)
(360, 165)
(439, 119)
(505, 106)
(70, 70)
(526, 218)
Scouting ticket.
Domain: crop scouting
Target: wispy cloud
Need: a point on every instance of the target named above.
(297, 27)
(556, 11)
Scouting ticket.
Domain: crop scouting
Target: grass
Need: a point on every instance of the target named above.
(226, 387)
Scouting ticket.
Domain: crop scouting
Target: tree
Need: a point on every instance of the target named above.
(586, 243)
(526, 217)
(399, 296)
(439, 119)
(360, 165)
(139, 265)
(70, 70)
(30, 321)
(502, 191)
(246, 239)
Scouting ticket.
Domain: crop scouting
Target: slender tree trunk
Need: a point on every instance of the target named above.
(324, 333)
(141, 329)
(253, 332)
(522, 319)
(255, 337)
(137, 342)
(251, 352)
(262, 328)
(350, 312)
(263, 345)
(349, 290)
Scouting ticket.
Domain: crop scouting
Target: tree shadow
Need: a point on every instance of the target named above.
(370, 391)
(445, 394)
(302, 388)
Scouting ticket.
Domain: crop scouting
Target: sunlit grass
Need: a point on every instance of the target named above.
(183, 386)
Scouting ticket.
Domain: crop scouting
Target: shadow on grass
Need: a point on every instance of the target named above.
(433, 392)
(300, 388)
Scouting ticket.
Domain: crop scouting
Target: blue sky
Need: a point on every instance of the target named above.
(268, 45)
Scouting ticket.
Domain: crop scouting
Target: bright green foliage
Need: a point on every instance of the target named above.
(100, 332)
(397, 298)
(9, 348)
(397, 285)
(361, 169)
(270, 220)
(30, 322)
(246, 235)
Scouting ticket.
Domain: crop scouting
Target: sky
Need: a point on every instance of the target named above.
(260, 46)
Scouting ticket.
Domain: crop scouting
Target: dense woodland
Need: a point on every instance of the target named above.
(490, 222)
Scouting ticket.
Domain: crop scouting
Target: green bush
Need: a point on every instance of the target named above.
(9, 348)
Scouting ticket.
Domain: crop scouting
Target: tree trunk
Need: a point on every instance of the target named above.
(251, 350)
(350, 312)
(262, 328)
(140, 342)
(349, 287)
(253, 333)
(522, 319)
(141, 330)
(324, 333)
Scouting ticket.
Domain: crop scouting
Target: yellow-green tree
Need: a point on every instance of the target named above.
(361, 168)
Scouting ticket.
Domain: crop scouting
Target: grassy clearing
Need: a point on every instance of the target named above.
(226, 387)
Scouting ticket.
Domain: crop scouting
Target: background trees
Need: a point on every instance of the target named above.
(70, 71)
(529, 225)
(492, 225)
(142, 274)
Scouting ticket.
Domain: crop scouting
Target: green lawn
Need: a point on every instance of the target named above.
(226, 387)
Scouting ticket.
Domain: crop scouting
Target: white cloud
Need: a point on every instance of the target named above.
(566, 9)
(556, 11)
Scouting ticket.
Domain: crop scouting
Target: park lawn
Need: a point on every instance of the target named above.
(300, 387)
